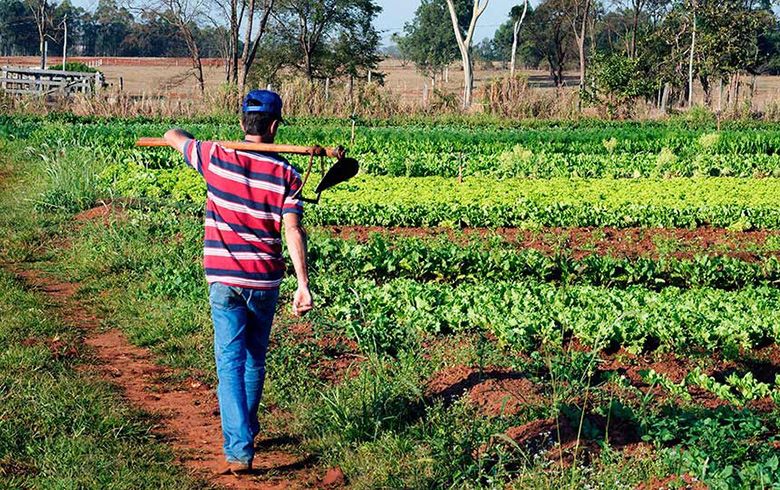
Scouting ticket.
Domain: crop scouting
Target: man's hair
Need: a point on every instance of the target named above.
(257, 123)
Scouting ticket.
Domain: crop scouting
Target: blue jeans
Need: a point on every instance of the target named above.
(242, 326)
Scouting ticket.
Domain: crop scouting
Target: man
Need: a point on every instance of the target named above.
(250, 195)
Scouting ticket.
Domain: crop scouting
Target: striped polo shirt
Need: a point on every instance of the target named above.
(247, 195)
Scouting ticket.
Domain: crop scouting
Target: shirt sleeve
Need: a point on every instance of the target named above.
(197, 154)
(293, 204)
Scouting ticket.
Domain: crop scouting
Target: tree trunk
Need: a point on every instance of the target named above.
(707, 89)
(468, 79)
(514, 49)
(247, 47)
(192, 46)
(43, 54)
(515, 33)
(665, 98)
(690, 60)
(250, 52)
(634, 27)
(464, 45)
(580, 38)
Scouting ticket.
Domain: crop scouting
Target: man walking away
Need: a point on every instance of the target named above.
(250, 195)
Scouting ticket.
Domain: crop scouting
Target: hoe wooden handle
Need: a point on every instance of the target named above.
(270, 147)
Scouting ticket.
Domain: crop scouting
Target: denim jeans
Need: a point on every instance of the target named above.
(242, 325)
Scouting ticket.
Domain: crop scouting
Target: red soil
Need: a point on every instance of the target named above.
(340, 358)
(616, 242)
(189, 410)
(107, 212)
(494, 391)
(678, 482)
(561, 440)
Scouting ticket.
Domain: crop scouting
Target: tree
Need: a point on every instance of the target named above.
(252, 39)
(323, 38)
(40, 11)
(551, 34)
(615, 81)
(504, 37)
(464, 39)
(694, 6)
(184, 15)
(18, 32)
(427, 41)
(110, 25)
(515, 31)
(578, 13)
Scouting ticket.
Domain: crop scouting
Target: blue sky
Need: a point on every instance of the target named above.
(397, 12)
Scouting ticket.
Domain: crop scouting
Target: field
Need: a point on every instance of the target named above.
(173, 78)
(499, 305)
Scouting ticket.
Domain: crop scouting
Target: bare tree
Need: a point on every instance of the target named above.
(578, 17)
(184, 15)
(694, 5)
(464, 44)
(252, 40)
(38, 8)
(515, 33)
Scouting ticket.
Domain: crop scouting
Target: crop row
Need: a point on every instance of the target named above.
(484, 202)
(629, 138)
(687, 203)
(622, 152)
(526, 313)
(443, 260)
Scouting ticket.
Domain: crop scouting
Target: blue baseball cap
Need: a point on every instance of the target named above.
(264, 101)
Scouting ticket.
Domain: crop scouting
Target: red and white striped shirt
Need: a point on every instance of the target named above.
(248, 193)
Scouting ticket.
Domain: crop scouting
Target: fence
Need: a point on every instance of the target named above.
(34, 81)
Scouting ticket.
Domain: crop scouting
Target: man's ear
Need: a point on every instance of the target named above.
(241, 122)
(273, 127)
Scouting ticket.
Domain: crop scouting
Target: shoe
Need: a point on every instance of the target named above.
(234, 468)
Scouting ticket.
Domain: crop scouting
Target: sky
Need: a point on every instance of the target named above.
(395, 13)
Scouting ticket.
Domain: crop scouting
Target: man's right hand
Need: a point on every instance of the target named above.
(302, 301)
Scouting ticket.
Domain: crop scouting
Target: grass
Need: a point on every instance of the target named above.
(141, 272)
(60, 428)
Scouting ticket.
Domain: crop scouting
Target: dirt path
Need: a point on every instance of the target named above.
(188, 411)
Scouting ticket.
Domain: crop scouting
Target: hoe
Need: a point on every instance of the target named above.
(341, 171)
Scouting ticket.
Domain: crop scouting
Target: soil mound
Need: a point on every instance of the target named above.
(106, 212)
(494, 391)
(684, 482)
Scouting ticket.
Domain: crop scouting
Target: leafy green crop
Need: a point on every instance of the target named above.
(384, 258)
(526, 313)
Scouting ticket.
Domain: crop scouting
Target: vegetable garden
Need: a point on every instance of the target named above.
(525, 305)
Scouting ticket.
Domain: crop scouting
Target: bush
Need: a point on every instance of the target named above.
(74, 66)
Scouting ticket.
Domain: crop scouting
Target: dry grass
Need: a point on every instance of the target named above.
(167, 88)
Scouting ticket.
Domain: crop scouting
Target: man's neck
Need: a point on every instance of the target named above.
(252, 138)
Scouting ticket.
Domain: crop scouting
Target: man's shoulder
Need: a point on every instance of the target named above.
(272, 158)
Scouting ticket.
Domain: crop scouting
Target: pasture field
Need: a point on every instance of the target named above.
(519, 305)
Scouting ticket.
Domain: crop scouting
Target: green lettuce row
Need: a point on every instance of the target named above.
(484, 202)
(383, 258)
(525, 314)
(740, 204)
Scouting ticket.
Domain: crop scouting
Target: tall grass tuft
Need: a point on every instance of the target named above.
(71, 182)
(512, 97)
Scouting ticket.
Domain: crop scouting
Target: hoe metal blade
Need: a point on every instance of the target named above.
(343, 170)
